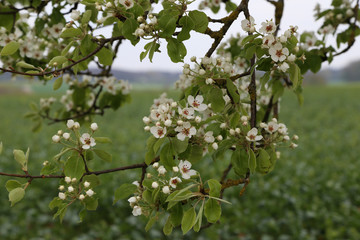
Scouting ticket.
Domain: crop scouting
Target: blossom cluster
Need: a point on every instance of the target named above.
(163, 181)
(84, 141)
(73, 189)
(185, 121)
(146, 27)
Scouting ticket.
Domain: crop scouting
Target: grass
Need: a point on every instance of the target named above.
(313, 193)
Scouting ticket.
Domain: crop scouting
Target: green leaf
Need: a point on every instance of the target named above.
(71, 32)
(263, 161)
(239, 160)
(74, 167)
(176, 214)
(124, 191)
(252, 160)
(187, 25)
(167, 23)
(57, 83)
(250, 51)
(16, 195)
(178, 145)
(200, 19)
(212, 210)
(12, 184)
(176, 50)
(61, 211)
(86, 17)
(198, 219)
(102, 140)
(59, 60)
(10, 48)
(159, 142)
(151, 222)
(188, 220)
(295, 75)
(249, 38)
(82, 215)
(150, 48)
(103, 155)
(128, 29)
(215, 188)
(67, 48)
(91, 203)
(166, 156)
(168, 227)
(23, 64)
(20, 158)
(55, 203)
(216, 99)
(233, 91)
(105, 56)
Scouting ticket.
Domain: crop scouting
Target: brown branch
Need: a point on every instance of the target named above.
(225, 173)
(219, 35)
(101, 43)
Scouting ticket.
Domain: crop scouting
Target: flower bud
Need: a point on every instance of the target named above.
(263, 125)
(55, 138)
(67, 179)
(175, 169)
(209, 81)
(219, 138)
(286, 138)
(73, 180)
(174, 104)
(161, 170)
(223, 125)
(154, 185)
(168, 123)
(166, 189)
(61, 187)
(237, 130)
(81, 197)
(202, 72)
(94, 126)
(70, 189)
(66, 136)
(193, 59)
(179, 122)
(215, 146)
(132, 200)
(60, 132)
(76, 125)
(148, 175)
(86, 184)
(232, 131)
(90, 192)
(147, 128)
(295, 137)
(197, 119)
(155, 165)
(62, 196)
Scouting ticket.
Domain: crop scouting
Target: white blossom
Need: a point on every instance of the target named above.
(252, 135)
(267, 27)
(186, 130)
(127, 3)
(278, 53)
(215, 146)
(186, 112)
(248, 26)
(86, 184)
(75, 15)
(155, 165)
(208, 137)
(174, 181)
(185, 169)
(197, 102)
(87, 141)
(70, 189)
(284, 67)
(158, 132)
(291, 58)
(66, 136)
(136, 211)
(132, 200)
(272, 127)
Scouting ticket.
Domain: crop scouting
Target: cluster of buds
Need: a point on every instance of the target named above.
(72, 189)
(162, 180)
(146, 27)
(84, 141)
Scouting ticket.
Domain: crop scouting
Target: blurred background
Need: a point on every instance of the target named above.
(312, 194)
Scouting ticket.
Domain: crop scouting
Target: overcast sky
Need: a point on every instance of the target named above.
(296, 12)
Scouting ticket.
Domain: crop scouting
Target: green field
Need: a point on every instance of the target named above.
(313, 193)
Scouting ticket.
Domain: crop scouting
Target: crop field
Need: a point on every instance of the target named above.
(313, 193)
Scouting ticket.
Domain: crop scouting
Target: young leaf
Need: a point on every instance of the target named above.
(263, 161)
(10, 48)
(86, 17)
(216, 99)
(20, 157)
(252, 160)
(176, 50)
(12, 184)
(188, 220)
(151, 222)
(215, 188)
(124, 191)
(16, 195)
(23, 64)
(168, 227)
(71, 32)
(212, 210)
(102, 140)
(103, 155)
(187, 25)
(199, 216)
(74, 167)
(166, 156)
(176, 214)
(105, 56)
(57, 83)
